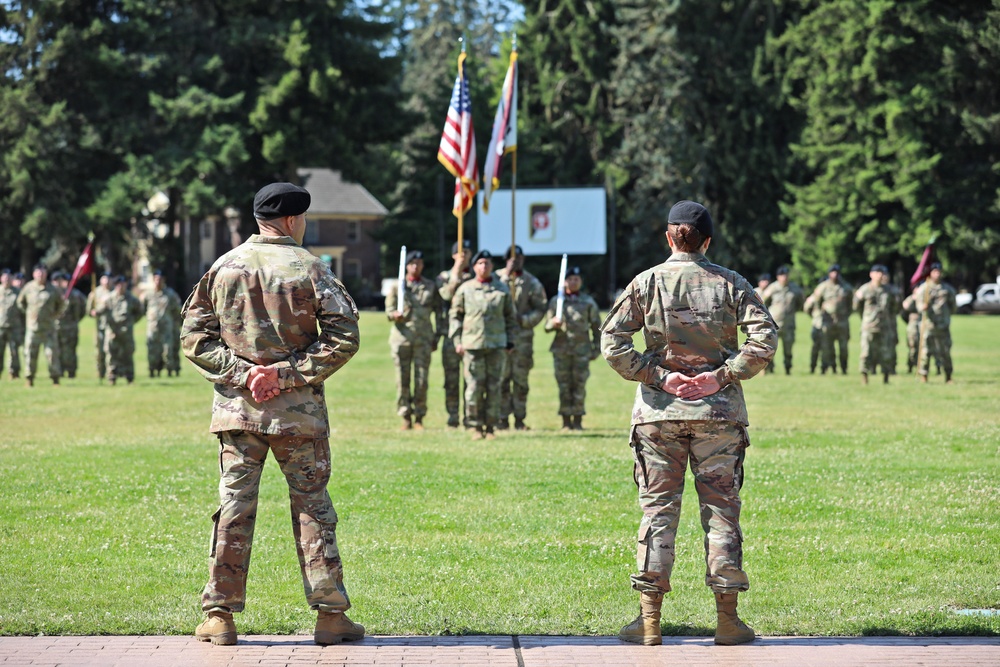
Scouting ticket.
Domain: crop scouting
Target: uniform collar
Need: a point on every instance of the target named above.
(277, 240)
(687, 257)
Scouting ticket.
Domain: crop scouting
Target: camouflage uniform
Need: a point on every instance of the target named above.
(911, 316)
(484, 323)
(815, 331)
(162, 308)
(877, 305)
(69, 330)
(833, 299)
(11, 328)
(238, 316)
(783, 302)
(577, 342)
(897, 298)
(528, 295)
(121, 312)
(447, 283)
(689, 312)
(412, 342)
(95, 306)
(42, 305)
(936, 303)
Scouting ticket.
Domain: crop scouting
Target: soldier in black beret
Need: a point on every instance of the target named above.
(280, 200)
(447, 283)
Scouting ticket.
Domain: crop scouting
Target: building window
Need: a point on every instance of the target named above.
(312, 233)
(353, 231)
(206, 229)
(353, 268)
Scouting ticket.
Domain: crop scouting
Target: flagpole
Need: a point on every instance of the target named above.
(459, 186)
(461, 215)
(513, 173)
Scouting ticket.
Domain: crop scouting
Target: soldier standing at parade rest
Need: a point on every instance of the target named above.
(482, 327)
(11, 324)
(897, 304)
(689, 406)
(911, 316)
(935, 301)
(447, 283)
(815, 331)
(267, 325)
(528, 295)
(763, 282)
(833, 298)
(876, 303)
(162, 306)
(69, 323)
(412, 339)
(41, 304)
(783, 300)
(121, 310)
(577, 343)
(95, 306)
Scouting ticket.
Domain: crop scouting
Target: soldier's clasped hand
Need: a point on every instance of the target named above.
(691, 388)
(263, 383)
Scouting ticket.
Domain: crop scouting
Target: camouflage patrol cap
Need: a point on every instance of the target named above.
(278, 200)
(517, 249)
(414, 255)
(482, 254)
(691, 213)
(466, 245)
(782, 271)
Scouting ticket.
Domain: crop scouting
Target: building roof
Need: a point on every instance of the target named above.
(331, 195)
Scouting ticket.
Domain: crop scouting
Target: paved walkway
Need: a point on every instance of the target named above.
(501, 651)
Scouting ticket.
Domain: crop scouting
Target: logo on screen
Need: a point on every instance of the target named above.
(543, 222)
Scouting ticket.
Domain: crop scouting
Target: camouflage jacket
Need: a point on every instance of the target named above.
(447, 284)
(120, 312)
(270, 302)
(877, 305)
(41, 304)
(75, 310)
(689, 312)
(908, 312)
(783, 301)
(420, 301)
(95, 304)
(10, 316)
(528, 296)
(163, 310)
(833, 299)
(482, 316)
(580, 333)
(936, 304)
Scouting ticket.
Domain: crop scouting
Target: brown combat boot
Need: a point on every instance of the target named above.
(864, 378)
(405, 425)
(333, 627)
(577, 422)
(519, 425)
(645, 629)
(730, 630)
(567, 423)
(218, 628)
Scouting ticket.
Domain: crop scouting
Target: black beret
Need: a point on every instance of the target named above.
(764, 276)
(482, 254)
(466, 245)
(41, 267)
(691, 213)
(4, 272)
(414, 255)
(19, 275)
(782, 271)
(879, 268)
(834, 267)
(59, 275)
(517, 249)
(573, 271)
(158, 272)
(120, 279)
(107, 274)
(280, 199)
(936, 265)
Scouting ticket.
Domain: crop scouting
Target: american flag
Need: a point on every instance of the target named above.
(457, 151)
(504, 137)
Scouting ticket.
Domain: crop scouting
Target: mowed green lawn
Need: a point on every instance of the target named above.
(867, 510)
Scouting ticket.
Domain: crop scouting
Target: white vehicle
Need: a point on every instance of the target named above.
(985, 300)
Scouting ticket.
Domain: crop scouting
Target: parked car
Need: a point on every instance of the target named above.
(985, 300)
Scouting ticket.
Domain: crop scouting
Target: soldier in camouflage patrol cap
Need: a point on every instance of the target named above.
(482, 327)
(783, 299)
(689, 406)
(121, 310)
(69, 323)
(42, 305)
(833, 299)
(447, 283)
(577, 343)
(935, 301)
(162, 306)
(11, 324)
(267, 325)
(876, 303)
(528, 295)
(413, 338)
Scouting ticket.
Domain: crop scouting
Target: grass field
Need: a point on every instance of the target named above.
(867, 510)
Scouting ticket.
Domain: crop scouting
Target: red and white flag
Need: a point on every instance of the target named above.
(84, 266)
(457, 151)
(924, 268)
(503, 140)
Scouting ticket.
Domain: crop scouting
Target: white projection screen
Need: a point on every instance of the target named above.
(548, 221)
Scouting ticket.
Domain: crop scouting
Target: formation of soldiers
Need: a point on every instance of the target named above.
(45, 314)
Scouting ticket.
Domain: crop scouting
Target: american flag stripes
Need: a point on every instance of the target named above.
(457, 151)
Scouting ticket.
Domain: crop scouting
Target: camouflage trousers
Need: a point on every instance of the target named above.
(418, 357)
(572, 372)
(912, 344)
(119, 353)
(483, 372)
(787, 337)
(835, 333)
(33, 342)
(101, 361)
(878, 350)
(10, 341)
(452, 364)
(68, 339)
(817, 346)
(514, 386)
(935, 342)
(715, 450)
(305, 462)
(159, 354)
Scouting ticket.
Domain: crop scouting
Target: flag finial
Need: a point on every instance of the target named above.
(513, 43)
(461, 40)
